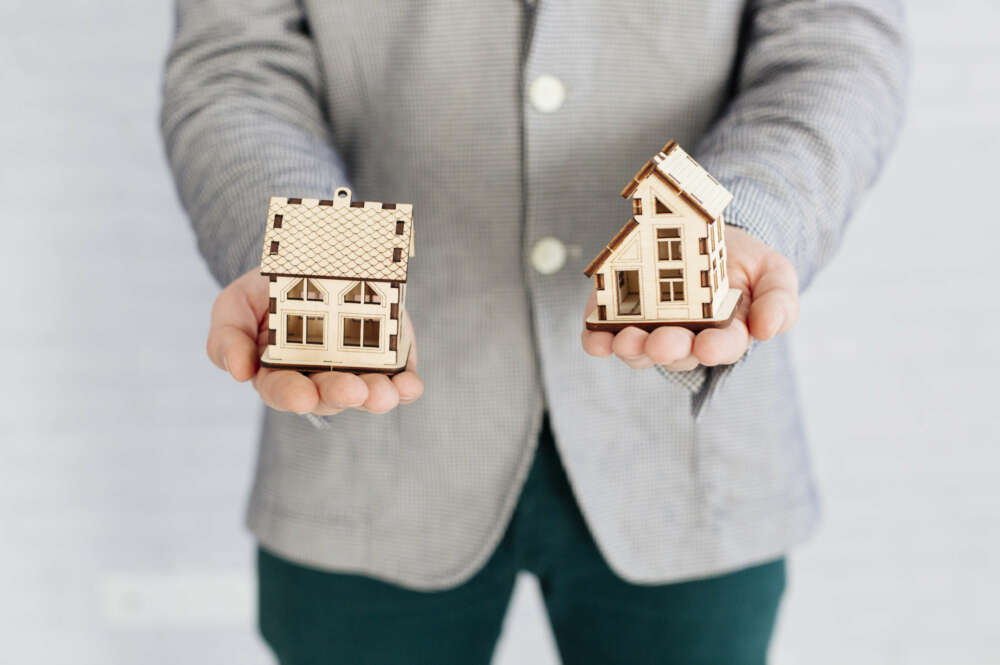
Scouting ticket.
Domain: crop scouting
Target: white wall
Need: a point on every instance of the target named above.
(126, 456)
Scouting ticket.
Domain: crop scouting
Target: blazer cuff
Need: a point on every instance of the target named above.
(703, 382)
(693, 379)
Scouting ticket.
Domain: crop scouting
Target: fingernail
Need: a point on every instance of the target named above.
(225, 362)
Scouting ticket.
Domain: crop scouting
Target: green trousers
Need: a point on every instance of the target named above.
(309, 616)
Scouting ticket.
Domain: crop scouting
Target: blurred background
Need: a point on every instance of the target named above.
(126, 457)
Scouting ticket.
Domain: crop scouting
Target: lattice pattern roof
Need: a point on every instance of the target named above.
(690, 177)
(338, 238)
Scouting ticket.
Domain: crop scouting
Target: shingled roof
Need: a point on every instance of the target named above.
(683, 174)
(338, 238)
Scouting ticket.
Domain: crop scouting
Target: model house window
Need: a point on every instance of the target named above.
(722, 264)
(661, 207)
(668, 243)
(363, 293)
(306, 289)
(303, 329)
(362, 333)
(671, 286)
(628, 293)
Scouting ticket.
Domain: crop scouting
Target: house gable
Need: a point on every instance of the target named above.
(629, 251)
(620, 237)
(653, 191)
(684, 176)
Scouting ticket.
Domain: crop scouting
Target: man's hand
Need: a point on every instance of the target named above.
(238, 336)
(769, 307)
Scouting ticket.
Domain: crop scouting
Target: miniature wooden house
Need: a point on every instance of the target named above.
(667, 265)
(337, 271)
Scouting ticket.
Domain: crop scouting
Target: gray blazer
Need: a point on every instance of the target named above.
(792, 104)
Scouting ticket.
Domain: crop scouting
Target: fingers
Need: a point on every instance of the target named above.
(685, 365)
(235, 323)
(597, 343)
(382, 393)
(775, 307)
(286, 390)
(329, 393)
(669, 345)
(722, 346)
(234, 351)
(376, 393)
(630, 347)
(338, 391)
(409, 386)
(411, 361)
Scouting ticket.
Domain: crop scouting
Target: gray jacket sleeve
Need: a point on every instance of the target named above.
(242, 119)
(817, 105)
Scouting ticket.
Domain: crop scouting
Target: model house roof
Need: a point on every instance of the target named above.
(679, 171)
(338, 238)
(623, 233)
(673, 166)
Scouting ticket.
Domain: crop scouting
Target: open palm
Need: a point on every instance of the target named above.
(769, 307)
(238, 335)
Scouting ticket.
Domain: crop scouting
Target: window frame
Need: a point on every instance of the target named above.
(618, 291)
(670, 242)
(364, 284)
(305, 343)
(305, 281)
(672, 280)
(362, 319)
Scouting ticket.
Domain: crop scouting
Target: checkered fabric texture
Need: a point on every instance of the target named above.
(424, 102)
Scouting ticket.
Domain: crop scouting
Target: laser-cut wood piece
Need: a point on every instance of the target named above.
(667, 265)
(337, 284)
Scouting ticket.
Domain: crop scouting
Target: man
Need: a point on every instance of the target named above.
(391, 527)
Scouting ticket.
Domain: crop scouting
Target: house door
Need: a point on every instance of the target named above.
(628, 293)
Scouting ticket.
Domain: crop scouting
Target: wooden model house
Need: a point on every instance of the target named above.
(337, 271)
(667, 265)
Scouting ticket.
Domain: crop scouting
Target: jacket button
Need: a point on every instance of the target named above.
(548, 256)
(547, 94)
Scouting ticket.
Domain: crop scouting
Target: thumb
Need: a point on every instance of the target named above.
(236, 316)
(775, 306)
